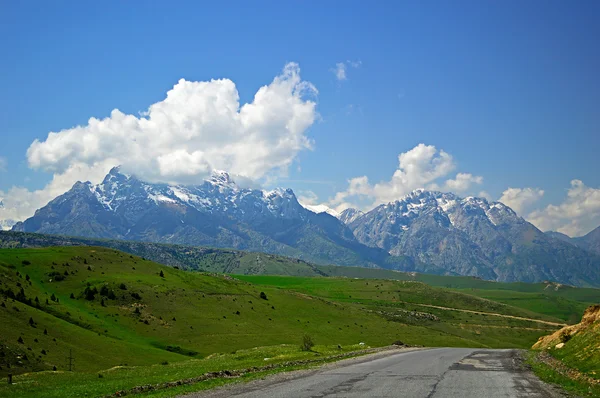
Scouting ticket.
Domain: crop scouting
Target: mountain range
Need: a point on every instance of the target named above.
(425, 231)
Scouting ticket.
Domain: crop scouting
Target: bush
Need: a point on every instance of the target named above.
(564, 336)
(307, 343)
(263, 296)
(26, 262)
(90, 294)
(122, 286)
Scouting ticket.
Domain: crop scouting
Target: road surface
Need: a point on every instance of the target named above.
(430, 373)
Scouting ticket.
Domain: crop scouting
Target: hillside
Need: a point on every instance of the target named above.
(574, 352)
(112, 308)
(567, 302)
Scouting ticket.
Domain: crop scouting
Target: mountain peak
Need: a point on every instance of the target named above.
(222, 178)
(349, 215)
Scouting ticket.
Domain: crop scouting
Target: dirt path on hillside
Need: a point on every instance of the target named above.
(488, 313)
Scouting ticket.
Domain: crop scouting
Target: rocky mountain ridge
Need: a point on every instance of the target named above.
(472, 236)
(425, 231)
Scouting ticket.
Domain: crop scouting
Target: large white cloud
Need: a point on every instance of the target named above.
(421, 167)
(578, 214)
(521, 199)
(198, 127)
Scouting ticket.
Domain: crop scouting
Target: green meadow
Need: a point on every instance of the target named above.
(127, 321)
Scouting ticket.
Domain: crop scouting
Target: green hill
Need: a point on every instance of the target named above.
(556, 300)
(108, 308)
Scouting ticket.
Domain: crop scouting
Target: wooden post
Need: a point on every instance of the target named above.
(10, 378)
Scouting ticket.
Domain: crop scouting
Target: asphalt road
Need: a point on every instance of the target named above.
(438, 372)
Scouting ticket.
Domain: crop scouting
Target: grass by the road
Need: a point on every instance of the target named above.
(123, 379)
(551, 375)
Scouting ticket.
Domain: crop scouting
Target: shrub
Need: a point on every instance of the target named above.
(90, 294)
(564, 336)
(122, 286)
(162, 274)
(26, 262)
(263, 296)
(20, 340)
(307, 343)
(104, 291)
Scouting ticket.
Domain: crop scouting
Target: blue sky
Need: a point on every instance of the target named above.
(509, 89)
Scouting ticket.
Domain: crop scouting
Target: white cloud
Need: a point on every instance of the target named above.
(3, 163)
(308, 198)
(341, 68)
(577, 215)
(340, 71)
(463, 182)
(420, 167)
(486, 195)
(521, 199)
(198, 127)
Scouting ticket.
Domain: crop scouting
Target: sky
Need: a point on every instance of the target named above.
(350, 104)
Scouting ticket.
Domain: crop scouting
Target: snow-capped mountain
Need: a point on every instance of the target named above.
(216, 212)
(471, 236)
(349, 215)
(424, 231)
(5, 224)
(321, 209)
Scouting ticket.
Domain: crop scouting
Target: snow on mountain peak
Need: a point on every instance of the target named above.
(322, 209)
(222, 178)
(349, 215)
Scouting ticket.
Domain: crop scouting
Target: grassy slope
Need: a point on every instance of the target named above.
(198, 313)
(397, 299)
(564, 302)
(192, 311)
(578, 365)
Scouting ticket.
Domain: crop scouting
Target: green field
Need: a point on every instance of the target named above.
(110, 309)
